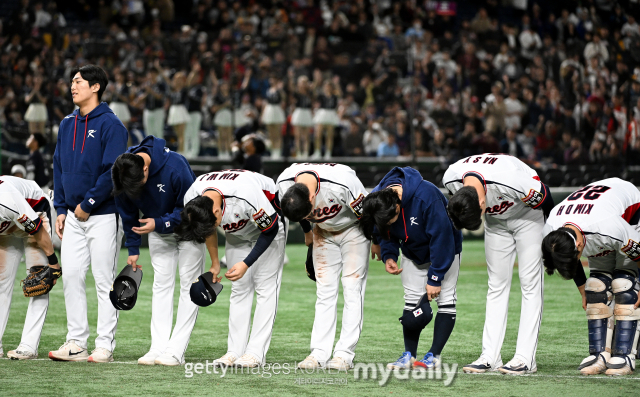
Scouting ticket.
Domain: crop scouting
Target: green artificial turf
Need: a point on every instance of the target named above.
(562, 344)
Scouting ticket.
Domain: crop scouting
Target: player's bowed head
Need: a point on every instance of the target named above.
(199, 220)
(561, 251)
(465, 209)
(379, 209)
(297, 202)
(129, 174)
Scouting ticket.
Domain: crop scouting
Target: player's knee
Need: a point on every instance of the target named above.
(625, 288)
(447, 309)
(599, 296)
(418, 317)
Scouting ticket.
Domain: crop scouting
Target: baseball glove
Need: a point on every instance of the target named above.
(40, 280)
(311, 272)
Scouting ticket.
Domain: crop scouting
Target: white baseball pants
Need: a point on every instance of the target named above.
(414, 280)
(503, 240)
(153, 122)
(263, 278)
(167, 255)
(95, 242)
(345, 252)
(11, 250)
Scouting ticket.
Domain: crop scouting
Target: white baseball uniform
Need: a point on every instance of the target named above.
(24, 210)
(607, 213)
(513, 224)
(338, 246)
(248, 213)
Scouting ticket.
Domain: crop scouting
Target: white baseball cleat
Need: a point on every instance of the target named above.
(149, 358)
(517, 367)
(168, 360)
(22, 353)
(100, 355)
(70, 351)
(340, 364)
(225, 361)
(593, 365)
(247, 361)
(309, 363)
(480, 366)
(621, 365)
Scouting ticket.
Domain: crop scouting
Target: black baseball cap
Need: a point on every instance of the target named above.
(124, 291)
(204, 291)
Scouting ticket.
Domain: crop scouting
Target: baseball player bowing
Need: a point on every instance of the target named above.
(405, 212)
(244, 203)
(151, 179)
(515, 204)
(24, 230)
(601, 221)
(330, 196)
(89, 141)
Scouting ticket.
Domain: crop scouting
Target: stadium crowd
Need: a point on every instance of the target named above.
(546, 81)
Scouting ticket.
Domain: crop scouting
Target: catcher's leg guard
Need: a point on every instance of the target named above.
(625, 288)
(600, 322)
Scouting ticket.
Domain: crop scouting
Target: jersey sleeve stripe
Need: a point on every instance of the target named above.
(477, 175)
(632, 214)
(9, 208)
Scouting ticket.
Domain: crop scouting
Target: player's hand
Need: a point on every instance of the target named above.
(149, 226)
(80, 214)
(133, 261)
(392, 267)
(584, 297)
(237, 271)
(215, 270)
(637, 303)
(433, 292)
(375, 252)
(60, 225)
(308, 238)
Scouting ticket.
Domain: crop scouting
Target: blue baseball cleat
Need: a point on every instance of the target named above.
(404, 362)
(429, 361)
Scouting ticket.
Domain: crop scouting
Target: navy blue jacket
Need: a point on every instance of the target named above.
(170, 176)
(423, 230)
(87, 147)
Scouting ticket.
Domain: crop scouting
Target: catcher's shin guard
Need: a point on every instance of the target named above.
(625, 289)
(600, 308)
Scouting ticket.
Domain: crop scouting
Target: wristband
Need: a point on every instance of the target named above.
(53, 259)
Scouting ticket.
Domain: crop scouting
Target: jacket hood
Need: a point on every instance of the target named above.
(408, 177)
(101, 109)
(159, 153)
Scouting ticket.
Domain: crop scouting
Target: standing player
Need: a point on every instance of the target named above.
(154, 181)
(24, 230)
(89, 141)
(245, 205)
(330, 196)
(515, 204)
(601, 222)
(409, 214)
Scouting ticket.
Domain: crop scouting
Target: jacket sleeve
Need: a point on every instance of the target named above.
(59, 202)
(389, 249)
(115, 144)
(129, 214)
(441, 241)
(182, 180)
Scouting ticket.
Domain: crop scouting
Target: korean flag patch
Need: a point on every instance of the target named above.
(632, 250)
(417, 312)
(263, 220)
(356, 205)
(27, 223)
(533, 199)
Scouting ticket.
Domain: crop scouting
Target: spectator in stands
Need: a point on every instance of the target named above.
(510, 144)
(36, 167)
(576, 154)
(389, 148)
(373, 137)
(36, 114)
(353, 140)
(326, 117)
(178, 114)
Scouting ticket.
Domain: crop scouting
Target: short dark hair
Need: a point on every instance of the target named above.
(295, 203)
(127, 174)
(378, 208)
(42, 141)
(197, 221)
(559, 253)
(464, 209)
(93, 74)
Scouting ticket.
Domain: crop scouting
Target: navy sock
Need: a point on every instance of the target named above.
(442, 330)
(411, 339)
